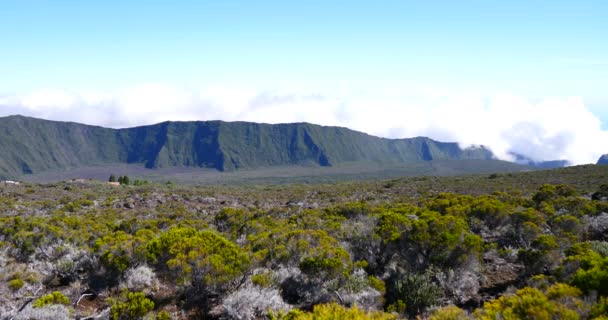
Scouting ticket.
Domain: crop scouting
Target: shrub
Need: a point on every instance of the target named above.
(263, 279)
(204, 255)
(140, 278)
(600, 308)
(543, 255)
(252, 302)
(491, 211)
(50, 312)
(163, 315)
(530, 303)
(232, 221)
(567, 224)
(358, 290)
(415, 292)
(593, 274)
(545, 193)
(16, 284)
(352, 209)
(119, 250)
(600, 247)
(391, 225)
(450, 312)
(314, 251)
(377, 284)
(443, 240)
(132, 305)
(335, 311)
(459, 285)
(55, 297)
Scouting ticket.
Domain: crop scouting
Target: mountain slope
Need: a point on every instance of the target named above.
(31, 145)
(526, 161)
(603, 160)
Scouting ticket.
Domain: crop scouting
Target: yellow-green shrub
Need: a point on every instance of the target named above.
(131, 305)
(207, 253)
(55, 297)
(335, 311)
(450, 312)
(560, 302)
(263, 279)
(16, 284)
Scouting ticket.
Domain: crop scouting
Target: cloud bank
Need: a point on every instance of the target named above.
(541, 129)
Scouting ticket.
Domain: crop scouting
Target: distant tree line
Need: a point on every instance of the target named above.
(124, 180)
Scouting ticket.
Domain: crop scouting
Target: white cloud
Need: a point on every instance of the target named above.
(39, 99)
(546, 129)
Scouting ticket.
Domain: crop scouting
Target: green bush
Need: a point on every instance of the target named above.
(335, 311)
(15, 284)
(450, 312)
(411, 293)
(600, 308)
(443, 240)
(132, 305)
(377, 284)
(55, 297)
(592, 274)
(195, 253)
(391, 226)
(314, 251)
(263, 279)
(119, 250)
(560, 302)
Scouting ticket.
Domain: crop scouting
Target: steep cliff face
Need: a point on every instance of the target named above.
(32, 145)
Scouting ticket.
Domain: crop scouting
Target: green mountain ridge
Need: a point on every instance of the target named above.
(31, 145)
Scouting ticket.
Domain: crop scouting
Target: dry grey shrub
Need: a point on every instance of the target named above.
(62, 258)
(4, 272)
(600, 247)
(51, 312)
(7, 308)
(12, 299)
(286, 272)
(361, 243)
(302, 290)
(597, 226)
(357, 291)
(5, 265)
(252, 302)
(460, 286)
(3, 257)
(141, 278)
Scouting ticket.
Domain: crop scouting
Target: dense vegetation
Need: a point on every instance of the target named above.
(32, 145)
(508, 246)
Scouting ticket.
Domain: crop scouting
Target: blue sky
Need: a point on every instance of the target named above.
(534, 48)
(531, 47)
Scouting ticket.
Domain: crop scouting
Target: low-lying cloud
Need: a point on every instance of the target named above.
(541, 129)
